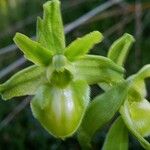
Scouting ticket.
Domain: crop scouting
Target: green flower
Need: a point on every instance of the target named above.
(136, 109)
(127, 98)
(61, 75)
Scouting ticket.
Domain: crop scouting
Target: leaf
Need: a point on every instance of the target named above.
(125, 113)
(50, 29)
(140, 115)
(82, 45)
(117, 137)
(23, 83)
(96, 69)
(33, 51)
(60, 110)
(100, 112)
(120, 49)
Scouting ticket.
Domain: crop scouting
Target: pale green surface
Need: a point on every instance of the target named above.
(140, 115)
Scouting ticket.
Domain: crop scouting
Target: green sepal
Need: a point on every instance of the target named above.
(32, 50)
(125, 113)
(96, 69)
(140, 115)
(50, 31)
(120, 49)
(81, 46)
(23, 83)
(60, 110)
(117, 137)
(100, 112)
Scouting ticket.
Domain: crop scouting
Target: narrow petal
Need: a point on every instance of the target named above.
(32, 50)
(82, 45)
(120, 48)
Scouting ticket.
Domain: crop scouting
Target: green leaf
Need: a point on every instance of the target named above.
(60, 110)
(50, 29)
(100, 112)
(125, 113)
(96, 69)
(82, 45)
(23, 83)
(117, 137)
(120, 49)
(33, 51)
(140, 115)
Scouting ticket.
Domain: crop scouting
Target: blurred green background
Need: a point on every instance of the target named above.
(18, 129)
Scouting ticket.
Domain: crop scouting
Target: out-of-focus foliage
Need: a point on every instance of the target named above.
(20, 15)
